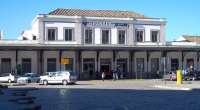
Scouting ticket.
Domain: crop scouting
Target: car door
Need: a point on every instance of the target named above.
(4, 77)
(34, 78)
(58, 78)
(52, 78)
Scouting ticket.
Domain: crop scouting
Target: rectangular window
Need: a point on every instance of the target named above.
(140, 65)
(69, 34)
(121, 36)
(88, 36)
(5, 65)
(174, 64)
(69, 66)
(26, 65)
(52, 33)
(105, 36)
(51, 64)
(154, 36)
(154, 64)
(34, 37)
(139, 35)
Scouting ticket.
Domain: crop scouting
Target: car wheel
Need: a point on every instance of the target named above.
(45, 82)
(64, 82)
(193, 78)
(37, 81)
(9, 81)
(170, 79)
(29, 81)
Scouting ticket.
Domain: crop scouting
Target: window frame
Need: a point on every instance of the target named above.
(56, 33)
(7, 60)
(47, 62)
(125, 37)
(174, 64)
(24, 61)
(88, 28)
(109, 35)
(155, 62)
(143, 37)
(64, 33)
(158, 35)
(71, 62)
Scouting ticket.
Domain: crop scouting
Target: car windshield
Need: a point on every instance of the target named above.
(72, 73)
(27, 75)
(4, 74)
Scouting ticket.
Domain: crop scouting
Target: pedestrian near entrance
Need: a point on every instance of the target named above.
(115, 75)
(103, 75)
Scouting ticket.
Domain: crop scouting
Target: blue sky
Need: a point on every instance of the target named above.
(183, 16)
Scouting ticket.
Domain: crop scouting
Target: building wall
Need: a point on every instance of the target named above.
(29, 54)
(147, 31)
(76, 23)
(60, 30)
(97, 36)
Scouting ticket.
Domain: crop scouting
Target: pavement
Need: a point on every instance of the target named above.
(107, 95)
(119, 84)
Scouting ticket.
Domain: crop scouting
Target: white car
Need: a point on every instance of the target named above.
(29, 78)
(7, 77)
(62, 77)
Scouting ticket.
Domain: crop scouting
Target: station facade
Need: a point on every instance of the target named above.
(93, 41)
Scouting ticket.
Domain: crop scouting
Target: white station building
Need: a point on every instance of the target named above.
(93, 41)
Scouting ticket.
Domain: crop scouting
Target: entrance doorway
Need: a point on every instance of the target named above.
(190, 63)
(154, 65)
(26, 65)
(5, 65)
(174, 64)
(122, 64)
(105, 66)
(140, 67)
(88, 68)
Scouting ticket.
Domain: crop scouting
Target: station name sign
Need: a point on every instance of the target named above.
(104, 24)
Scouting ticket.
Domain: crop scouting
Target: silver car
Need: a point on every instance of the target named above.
(29, 78)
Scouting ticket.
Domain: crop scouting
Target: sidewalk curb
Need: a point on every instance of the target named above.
(172, 88)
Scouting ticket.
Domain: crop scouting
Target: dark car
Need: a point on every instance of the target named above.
(192, 75)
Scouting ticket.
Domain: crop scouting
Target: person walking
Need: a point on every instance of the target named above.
(114, 75)
(103, 75)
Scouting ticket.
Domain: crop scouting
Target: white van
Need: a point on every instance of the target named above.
(61, 77)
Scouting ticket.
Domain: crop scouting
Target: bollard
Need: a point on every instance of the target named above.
(179, 77)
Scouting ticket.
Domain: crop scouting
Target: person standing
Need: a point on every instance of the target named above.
(103, 75)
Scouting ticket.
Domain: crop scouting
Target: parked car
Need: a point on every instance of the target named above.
(29, 78)
(170, 76)
(7, 77)
(62, 77)
(192, 75)
(48, 74)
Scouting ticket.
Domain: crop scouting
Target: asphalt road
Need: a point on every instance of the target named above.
(103, 98)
